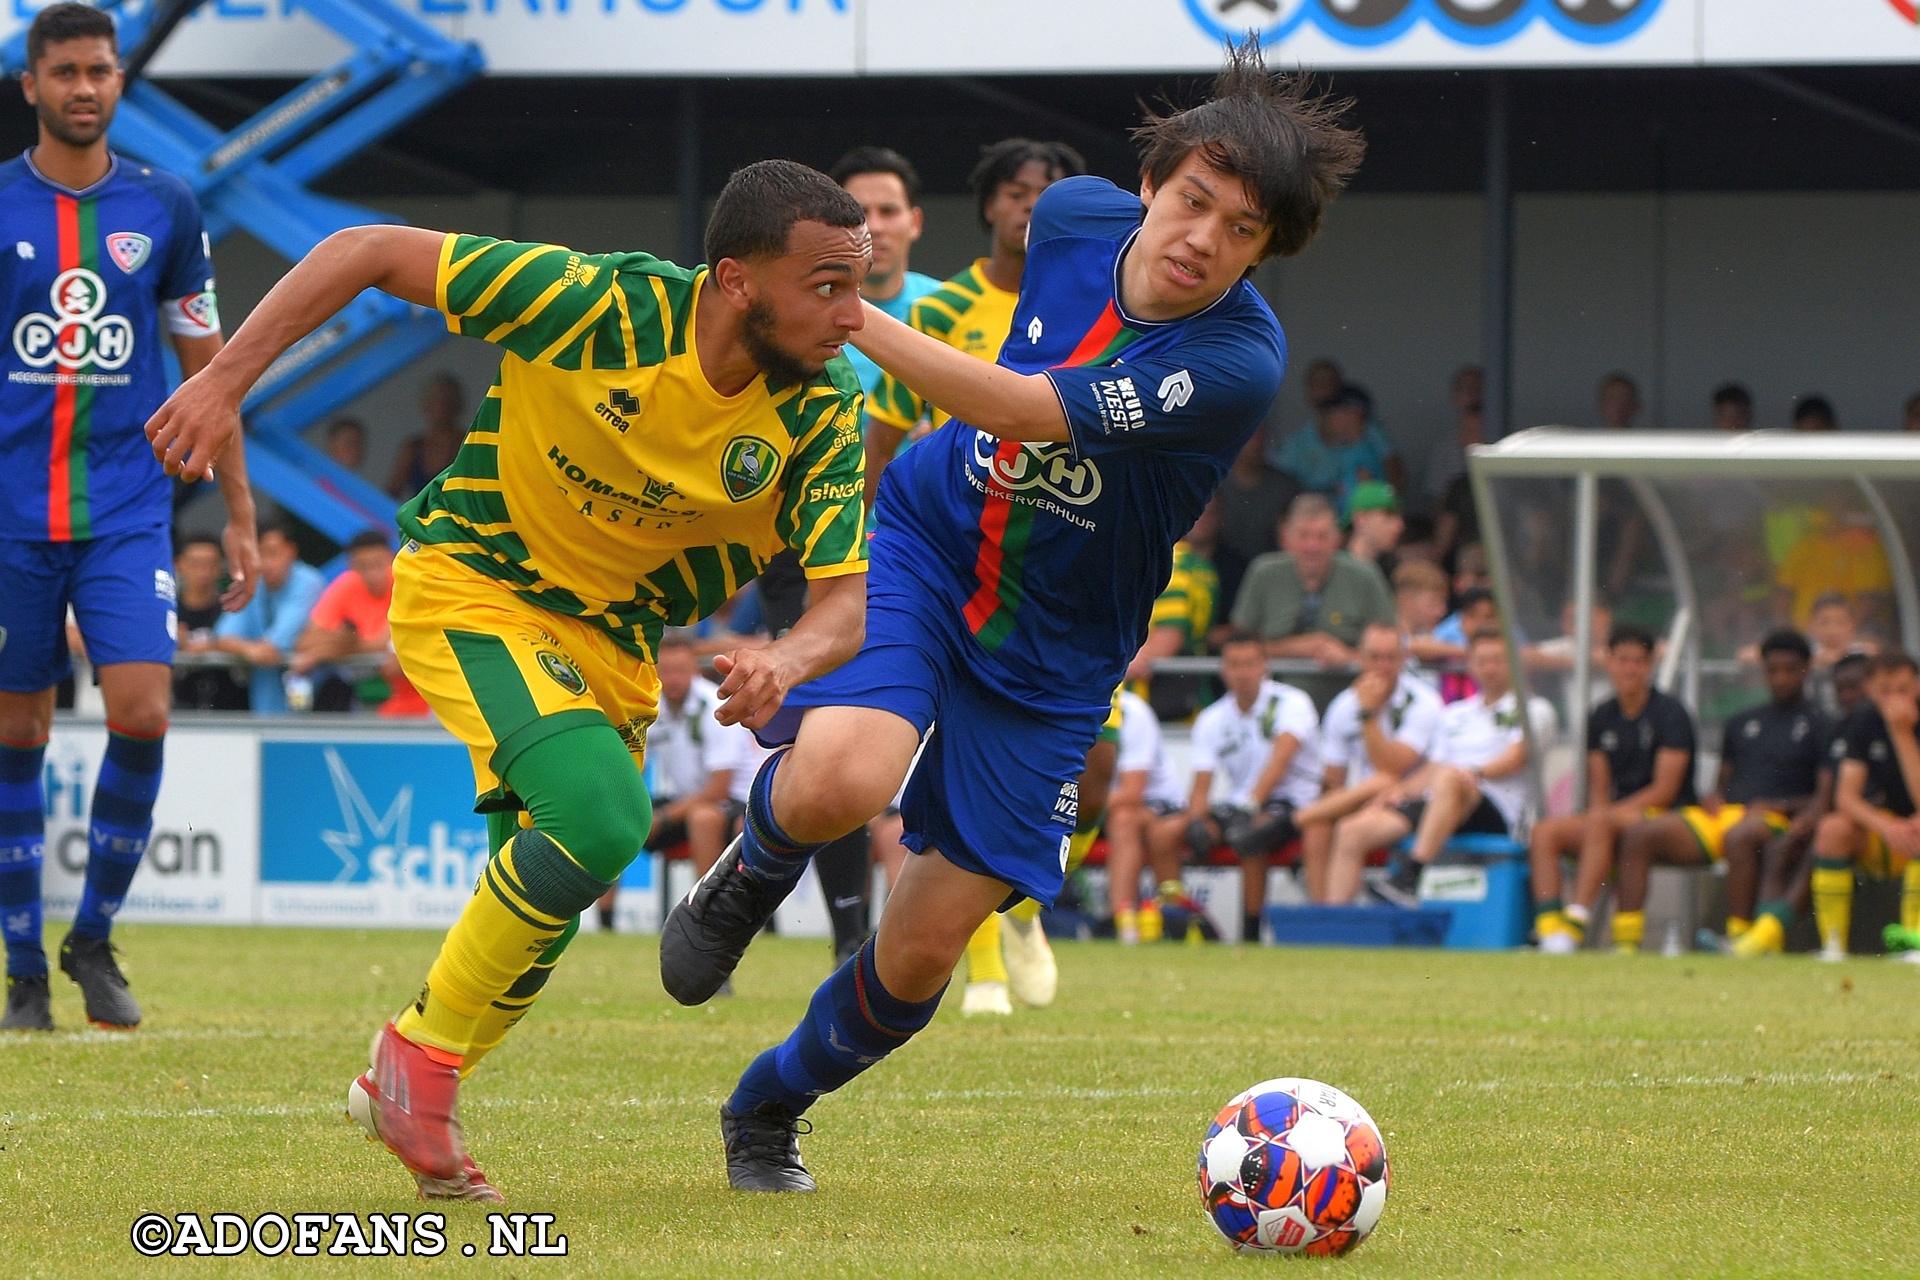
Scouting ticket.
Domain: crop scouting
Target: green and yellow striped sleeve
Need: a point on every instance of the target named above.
(895, 404)
(550, 305)
(823, 516)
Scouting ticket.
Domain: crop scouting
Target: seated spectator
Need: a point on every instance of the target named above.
(1640, 746)
(1252, 500)
(426, 455)
(1732, 408)
(349, 620)
(1341, 447)
(1183, 613)
(1375, 524)
(1311, 600)
(1839, 554)
(692, 760)
(1833, 629)
(1873, 827)
(198, 567)
(1144, 789)
(1375, 733)
(1617, 402)
(1771, 763)
(1262, 737)
(1420, 600)
(1478, 612)
(1814, 413)
(346, 443)
(1447, 459)
(1474, 782)
(1323, 379)
(263, 634)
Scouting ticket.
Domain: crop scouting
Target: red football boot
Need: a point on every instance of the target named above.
(406, 1099)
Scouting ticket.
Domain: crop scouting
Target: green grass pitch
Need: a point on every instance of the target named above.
(1599, 1115)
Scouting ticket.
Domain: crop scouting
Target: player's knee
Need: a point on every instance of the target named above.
(1835, 836)
(816, 799)
(583, 790)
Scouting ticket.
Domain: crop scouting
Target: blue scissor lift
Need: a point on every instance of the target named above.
(253, 178)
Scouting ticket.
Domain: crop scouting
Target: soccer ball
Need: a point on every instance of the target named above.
(1293, 1166)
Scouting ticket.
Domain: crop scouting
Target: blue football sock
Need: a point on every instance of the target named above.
(117, 834)
(851, 1023)
(766, 850)
(23, 841)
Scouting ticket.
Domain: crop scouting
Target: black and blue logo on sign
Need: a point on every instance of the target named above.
(1364, 23)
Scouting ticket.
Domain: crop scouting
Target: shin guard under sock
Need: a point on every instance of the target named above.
(765, 849)
(984, 961)
(121, 821)
(23, 840)
(1832, 886)
(851, 1024)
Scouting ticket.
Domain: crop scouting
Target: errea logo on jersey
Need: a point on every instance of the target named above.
(76, 335)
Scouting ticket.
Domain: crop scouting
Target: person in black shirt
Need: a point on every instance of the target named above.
(1639, 758)
(199, 565)
(1873, 825)
(1773, 781)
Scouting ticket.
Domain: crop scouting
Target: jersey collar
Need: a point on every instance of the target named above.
(113, 167)
(1135, 323)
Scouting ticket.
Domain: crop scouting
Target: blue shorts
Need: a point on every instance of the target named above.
(122, 593)
(997, 788)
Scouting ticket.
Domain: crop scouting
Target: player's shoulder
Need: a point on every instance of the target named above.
(15, 171)
(1671, 707)
(166, 189)
(1346, 703)
(1086, 207)
(1419, 691)
(951, 298)
(1280, 692)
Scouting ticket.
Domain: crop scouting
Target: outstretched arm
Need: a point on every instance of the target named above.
(756, 681)
(202, 418)
(998, 401)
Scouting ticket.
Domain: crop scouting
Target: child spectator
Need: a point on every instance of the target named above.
(1420, 600)
(1375, 523)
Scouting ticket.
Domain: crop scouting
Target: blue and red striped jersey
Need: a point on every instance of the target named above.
(89, 279)
(1050, 555)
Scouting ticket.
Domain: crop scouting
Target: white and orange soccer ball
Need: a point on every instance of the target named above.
(1293, 1166)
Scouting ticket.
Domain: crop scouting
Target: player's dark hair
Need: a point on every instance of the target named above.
(1630, 633)
(1786, 640)
(367, 538)
(759, 205)
(275, 524)
(1854, 661)
(1486, 635)
(878, 160)
(1280, 135)
(1003, 161)
(1892, 661)
(1829, 600)
(68, 21)
(1732, 393)
(1473, 596)
(1240, 635)
(201, 538)
(1814, 407)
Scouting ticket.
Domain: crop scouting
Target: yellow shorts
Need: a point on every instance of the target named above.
(1710, 829)
(1877, 858)
(503, 674)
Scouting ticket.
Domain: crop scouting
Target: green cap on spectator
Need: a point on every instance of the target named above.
(1372, 495)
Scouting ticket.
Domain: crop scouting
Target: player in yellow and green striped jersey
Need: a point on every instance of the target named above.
(655, 436)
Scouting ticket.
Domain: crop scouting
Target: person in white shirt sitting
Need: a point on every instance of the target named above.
(1144, 789)
(1263, 737)
(1474, 781)
(1377, 731)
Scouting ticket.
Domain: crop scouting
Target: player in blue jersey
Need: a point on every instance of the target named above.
(99, 255)
(1015, 566)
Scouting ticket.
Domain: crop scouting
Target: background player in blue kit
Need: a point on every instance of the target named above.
(98, 254)
(1018, 553)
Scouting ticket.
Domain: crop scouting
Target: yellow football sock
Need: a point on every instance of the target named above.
(1079, 846)
(1767, 937)
(1910, 896)
(486, 951)
(1629, 927)
(1737, 928)
(502, 1015)
(983, 953)
(1833, 904)
(1550, 921)
(1152, 923)
(1026, 911)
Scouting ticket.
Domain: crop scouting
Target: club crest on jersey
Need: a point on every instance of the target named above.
(748, 466)
(128, 249)
(561, 671)
(1051, 468)
(77, 334)
(202, 310)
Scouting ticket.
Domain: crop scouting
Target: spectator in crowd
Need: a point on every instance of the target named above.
(1447, 460)
(1839, 554)
(198, 566)
(1640, 746)
(426, 455)
(692, 760)
(1322, 379)
(1771, 763)
(1341, 447)
(1835, 637)
(349, 620)
(1786, 873)
(1732, 408)
(346, 443)
(1477, 611)
(264, 634)
(1183, 613)
(1473, 783)
(1375, 525)
(1470, 572)
(1312, 599)
(1910, 418)
(1554, 656)
(1617, 402)
(1263, 738)
(1420, 600)
(1252, 500)
(1144, 790)
(1375, 733)
(1814, 413)
(1873, 827)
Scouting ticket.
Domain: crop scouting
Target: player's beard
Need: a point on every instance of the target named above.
(72, 135)
(782, 368)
